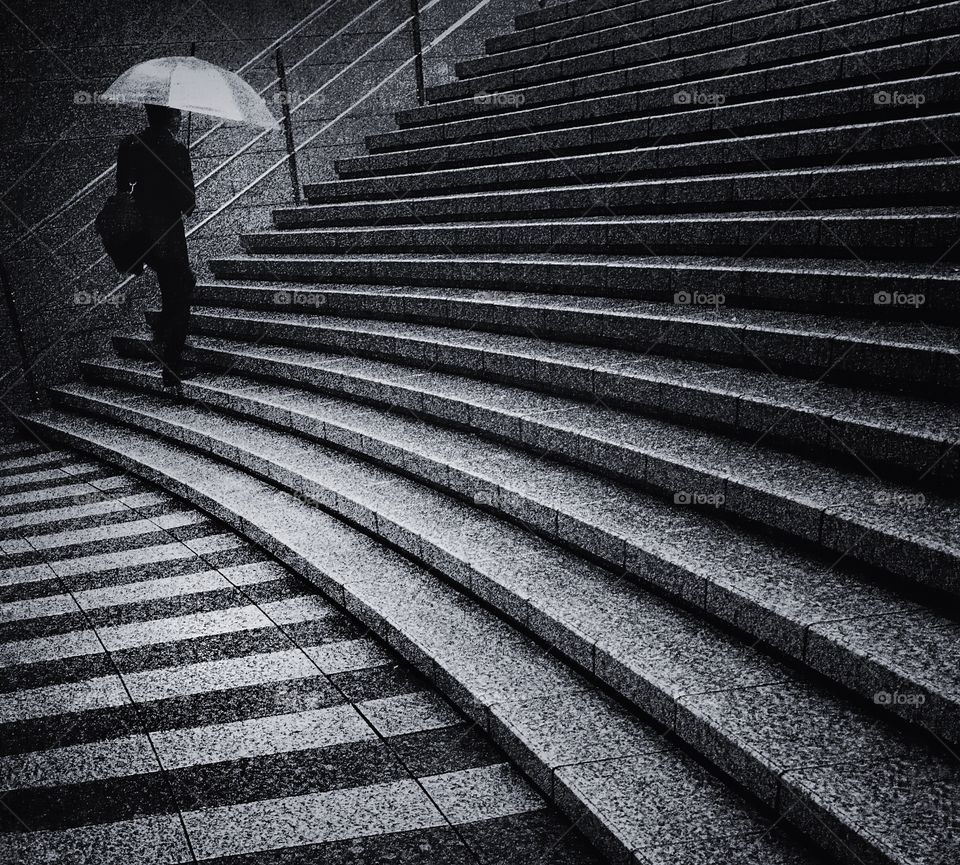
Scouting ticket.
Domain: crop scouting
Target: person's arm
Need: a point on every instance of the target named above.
(186, 189)
(125, 169)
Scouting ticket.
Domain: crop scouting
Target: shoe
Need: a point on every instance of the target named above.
(170, 379)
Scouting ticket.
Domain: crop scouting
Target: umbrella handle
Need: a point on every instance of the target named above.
(193, 53)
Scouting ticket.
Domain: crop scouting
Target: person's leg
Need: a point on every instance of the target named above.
(176, 291)
(178, 305)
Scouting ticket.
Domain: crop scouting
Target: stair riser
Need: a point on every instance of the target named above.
(935, 95)
(912, 561)
(709, 29)
(655, 698)
(887, 186)
(510, 114)
(898, 238)
(710, 51)
(805, 291)
(558, 526)
(908, 457)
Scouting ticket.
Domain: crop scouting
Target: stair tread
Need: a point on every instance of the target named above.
(600, 17)
(559, 591)
(913, 214)
(627, 34)
(805, 592)
(662, 156)
(651, 101)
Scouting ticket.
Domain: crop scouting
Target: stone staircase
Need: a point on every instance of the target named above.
(617, 389)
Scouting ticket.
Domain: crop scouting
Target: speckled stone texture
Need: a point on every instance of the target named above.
(614, 389)
(267, 717)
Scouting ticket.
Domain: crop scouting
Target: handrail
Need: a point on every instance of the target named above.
(452, 28)
(103, 175)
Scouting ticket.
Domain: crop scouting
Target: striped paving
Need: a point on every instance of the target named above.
(169, 694)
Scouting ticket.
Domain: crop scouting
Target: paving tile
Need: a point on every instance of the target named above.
(310, 819)
(92, 802)
(408, 713)
(62, 698)
(287, 774)
(153, 840)
(75, 764)
(273, 734)
(482, 793)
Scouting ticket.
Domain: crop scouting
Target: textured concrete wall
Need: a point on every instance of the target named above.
(54, 138)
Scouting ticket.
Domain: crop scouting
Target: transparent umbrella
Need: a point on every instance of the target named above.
(191, 84)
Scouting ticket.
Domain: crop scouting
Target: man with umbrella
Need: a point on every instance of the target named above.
(155, 167)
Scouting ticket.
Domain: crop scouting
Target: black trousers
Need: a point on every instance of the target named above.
(169, 260)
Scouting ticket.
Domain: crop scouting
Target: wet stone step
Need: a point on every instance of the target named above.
(606, 88)
(873, 234)
(705, 116)
(718, 49)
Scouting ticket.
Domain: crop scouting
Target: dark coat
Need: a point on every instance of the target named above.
(159, 166)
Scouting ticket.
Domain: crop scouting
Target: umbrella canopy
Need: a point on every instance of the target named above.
(191, 84)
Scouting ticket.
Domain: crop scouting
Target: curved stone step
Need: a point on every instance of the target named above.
(748, 715)
(704, 29)
(714, 50)
(600, 764)
(627, 90)
(911, 435)
(859, 289)
(885, 526)
(851, 143)
(862, 103)
(854, 186)
(919, 357)
(811, 615)
(516, 116)
(876, 234)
